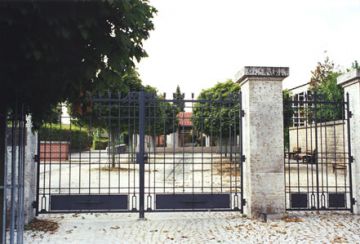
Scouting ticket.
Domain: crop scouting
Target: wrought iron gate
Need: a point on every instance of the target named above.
(143, 152)
(317, 154)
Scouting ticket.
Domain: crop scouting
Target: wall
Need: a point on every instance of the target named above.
(331, 136)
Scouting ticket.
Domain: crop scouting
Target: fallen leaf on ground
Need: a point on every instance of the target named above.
(42, 225)
(292, 219)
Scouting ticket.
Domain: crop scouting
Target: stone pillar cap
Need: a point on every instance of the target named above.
(348, 77)
(261, 71)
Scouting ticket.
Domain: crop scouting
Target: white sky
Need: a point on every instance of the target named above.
(197, 43)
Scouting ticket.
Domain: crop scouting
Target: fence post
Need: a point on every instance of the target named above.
(141, 154)
(351, 84)
(263, 140)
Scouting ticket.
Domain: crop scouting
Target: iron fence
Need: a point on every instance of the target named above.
(13, 176)
(318, 157)
(140, 152)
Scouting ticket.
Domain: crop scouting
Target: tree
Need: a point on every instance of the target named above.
(288, 116)
(52, 53)
(60, 51)
(324, 83)
(179, 99)
(218, 116)
(355, 65)
(114, 117)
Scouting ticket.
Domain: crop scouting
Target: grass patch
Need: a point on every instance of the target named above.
(44, 225)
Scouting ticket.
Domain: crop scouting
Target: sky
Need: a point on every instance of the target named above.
(197, 43)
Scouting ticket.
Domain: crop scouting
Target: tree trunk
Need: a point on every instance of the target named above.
(231, 148)
(226, 147)
(112, 146)
(153, 142)
(2, 163)
(131, 147)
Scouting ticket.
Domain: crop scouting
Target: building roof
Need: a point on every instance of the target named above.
(303, 86)
(184, 119)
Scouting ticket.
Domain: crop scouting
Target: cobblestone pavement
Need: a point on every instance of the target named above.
(198, 228)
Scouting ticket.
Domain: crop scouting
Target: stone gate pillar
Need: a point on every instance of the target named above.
(351, 84)
(263, 139)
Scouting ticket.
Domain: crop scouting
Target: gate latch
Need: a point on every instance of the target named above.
(244, 202)
(243, 158)
(351, 159)
(36, 158)
(353, 201)
(34, 204)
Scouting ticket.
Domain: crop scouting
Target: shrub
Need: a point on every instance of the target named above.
(100, 143)
(80, 138)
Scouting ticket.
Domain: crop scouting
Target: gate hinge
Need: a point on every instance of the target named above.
(34, 204)
(36, 158)
(242, 113)
(353, 201)
(243, 202)
(243, 158)
(351, 159)
(350, 114)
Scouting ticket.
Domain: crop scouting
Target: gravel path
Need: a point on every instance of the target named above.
(199, 228)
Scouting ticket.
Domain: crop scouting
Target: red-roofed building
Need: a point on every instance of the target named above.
(183, 137)
(184, 132)
(184, 119)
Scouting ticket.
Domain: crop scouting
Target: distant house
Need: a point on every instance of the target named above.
(183, 137)
(184, 131)
(299, 93)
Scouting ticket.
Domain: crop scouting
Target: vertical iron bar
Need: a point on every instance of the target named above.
(193, 151)
(5, 175)
(60, 153)
(20, 225)
(90, 152)
(241, 155)
(13, 173)
(141, 152)
(37, 176)
(165, 141)
(306, 119)
(316, 153)
(348, 113)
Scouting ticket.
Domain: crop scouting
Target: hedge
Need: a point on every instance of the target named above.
(100, 143)
(80, 139)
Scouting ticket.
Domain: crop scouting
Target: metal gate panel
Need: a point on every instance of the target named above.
(318, 154)
(88, 202)
(75, 168)
(139, 152)
(199, 165)
(192, 201)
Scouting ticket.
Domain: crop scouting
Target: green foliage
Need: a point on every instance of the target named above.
(79, 137)
(219, 117)
(64, 50)
(288, 116)
(324, 84)
(100, 143)
(179, 99)
(355, 65)
(55, 115)
(160, 117)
